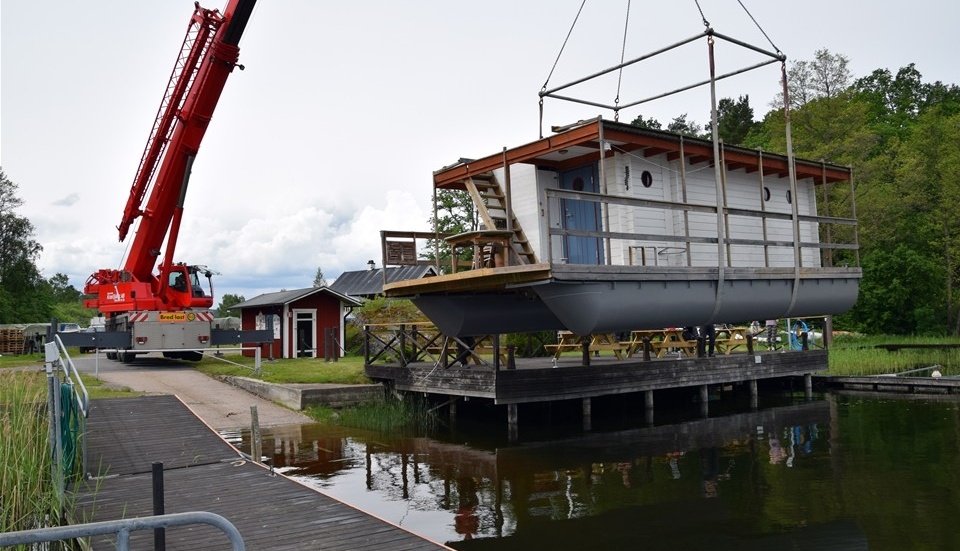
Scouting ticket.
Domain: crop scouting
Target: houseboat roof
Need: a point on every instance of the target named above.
(578, 144)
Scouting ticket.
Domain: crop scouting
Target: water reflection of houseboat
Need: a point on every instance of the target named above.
(582, 486)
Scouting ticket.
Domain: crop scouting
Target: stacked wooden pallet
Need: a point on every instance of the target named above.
(11, 341)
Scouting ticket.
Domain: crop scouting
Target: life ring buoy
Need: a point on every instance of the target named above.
(799, 328)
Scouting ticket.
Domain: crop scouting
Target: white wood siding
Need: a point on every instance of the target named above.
(623, 174)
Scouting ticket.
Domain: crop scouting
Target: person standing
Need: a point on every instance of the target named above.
(771, 334)
(709, 333)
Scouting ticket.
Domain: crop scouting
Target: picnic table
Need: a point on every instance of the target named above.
(568, 341)
(497, 242)
(672, 339)
(731, 338)
(662, 342)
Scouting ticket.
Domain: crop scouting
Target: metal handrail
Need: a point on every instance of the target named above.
(73, 375)
(122, 529)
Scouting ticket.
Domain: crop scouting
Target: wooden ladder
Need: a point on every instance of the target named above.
(491, 203)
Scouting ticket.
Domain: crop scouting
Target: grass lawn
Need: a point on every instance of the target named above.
(347, 370)
(849, 355)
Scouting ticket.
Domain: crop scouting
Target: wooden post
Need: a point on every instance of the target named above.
(648, 399)
(704, 400)
(753, 394)
(512, 421)
(511, 356)
(646, 349)
(804, 341)
(701, 347)
(453, 412)
(256, 447)
(496, 352)
(750, 344)
(587, 422)
(585, 347)
(366, 345)
(808, 386)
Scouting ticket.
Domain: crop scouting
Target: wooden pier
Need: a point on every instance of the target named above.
(588, 376)
(202, 472)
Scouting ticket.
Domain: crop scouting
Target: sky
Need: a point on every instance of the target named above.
(345, 109)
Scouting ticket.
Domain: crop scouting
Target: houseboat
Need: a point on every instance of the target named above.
(607, 227)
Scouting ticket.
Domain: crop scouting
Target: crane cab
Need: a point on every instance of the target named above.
(185, 288)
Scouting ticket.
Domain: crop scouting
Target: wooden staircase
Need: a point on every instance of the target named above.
(491, 204)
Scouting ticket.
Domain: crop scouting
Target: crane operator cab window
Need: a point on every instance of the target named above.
(178, 282)
(195, 284)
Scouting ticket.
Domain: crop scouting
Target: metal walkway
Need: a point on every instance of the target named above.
(204, 473)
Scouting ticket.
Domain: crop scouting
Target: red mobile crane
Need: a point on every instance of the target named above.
(169, 310)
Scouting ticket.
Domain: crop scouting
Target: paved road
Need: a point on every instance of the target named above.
(220, 405)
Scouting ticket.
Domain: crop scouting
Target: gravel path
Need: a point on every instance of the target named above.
(220, 405)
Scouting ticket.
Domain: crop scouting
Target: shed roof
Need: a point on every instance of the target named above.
(281, 298)
(366, 283)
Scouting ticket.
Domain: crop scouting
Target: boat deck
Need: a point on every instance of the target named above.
(202, 472)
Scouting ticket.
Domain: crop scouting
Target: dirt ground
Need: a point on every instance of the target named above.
(220, 405)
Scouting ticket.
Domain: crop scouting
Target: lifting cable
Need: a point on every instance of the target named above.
(704, 17)
(560, 53)
(623, 51)
(763, 32)
(752, 18)
(564, 45)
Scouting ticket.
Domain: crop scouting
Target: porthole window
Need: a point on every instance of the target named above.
(646, 178)
(789, 197)
(766, 193)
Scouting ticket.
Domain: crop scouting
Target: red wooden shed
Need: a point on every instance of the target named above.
(304, 321)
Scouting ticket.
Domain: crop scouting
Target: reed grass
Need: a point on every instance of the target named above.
(392, 415)
(858, 355)
(28, 498)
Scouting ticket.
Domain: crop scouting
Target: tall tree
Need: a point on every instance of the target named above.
(455, 213)
(680, 125)
(24, 294)
(62, 290)
(228, 300)
(318, 279)
(651, 123)
(826, 76)
(734, 120)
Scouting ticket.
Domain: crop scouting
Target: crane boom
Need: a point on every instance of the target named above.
(208, 55)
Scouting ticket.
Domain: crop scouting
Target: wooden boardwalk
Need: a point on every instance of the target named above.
(204, 473)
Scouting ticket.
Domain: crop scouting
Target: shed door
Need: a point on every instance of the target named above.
(305, 333)
(581, 215)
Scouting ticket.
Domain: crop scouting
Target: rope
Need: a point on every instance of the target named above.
(564, 45)
(763, 32)
(623, 51)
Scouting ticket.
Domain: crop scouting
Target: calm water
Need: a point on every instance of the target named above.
(838, 472)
